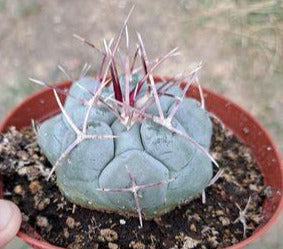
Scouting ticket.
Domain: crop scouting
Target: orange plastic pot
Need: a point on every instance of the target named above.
(41, 105)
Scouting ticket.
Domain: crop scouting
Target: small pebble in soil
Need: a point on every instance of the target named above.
(35, 187)
(42, 221)
(122, 221)
(112, 246)
(137, 245)
(190, 243)
(70, 222)
(19, 190)
(108, 235)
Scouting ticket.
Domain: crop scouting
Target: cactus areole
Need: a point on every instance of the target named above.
(125, 144)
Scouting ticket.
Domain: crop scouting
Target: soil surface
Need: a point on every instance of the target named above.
(219, 222)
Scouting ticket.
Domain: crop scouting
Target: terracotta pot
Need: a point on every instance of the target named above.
(41, 105)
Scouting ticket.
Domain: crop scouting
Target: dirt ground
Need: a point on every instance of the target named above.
(238, 41)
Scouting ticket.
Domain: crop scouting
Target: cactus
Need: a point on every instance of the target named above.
(125, 144)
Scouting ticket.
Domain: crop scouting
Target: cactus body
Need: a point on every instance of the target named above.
(171, 169)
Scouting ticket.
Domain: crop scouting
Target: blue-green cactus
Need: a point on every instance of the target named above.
(125, 145)
(94, 171)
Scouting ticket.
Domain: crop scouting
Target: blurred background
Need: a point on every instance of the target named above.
(239, 43)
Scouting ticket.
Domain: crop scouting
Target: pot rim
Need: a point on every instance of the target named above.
(65, 84)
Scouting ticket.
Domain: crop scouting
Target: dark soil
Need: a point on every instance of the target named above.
(195, 225)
